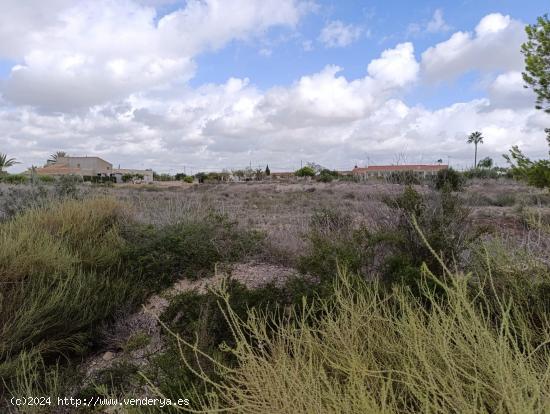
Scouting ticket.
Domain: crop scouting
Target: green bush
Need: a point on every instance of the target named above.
(333, 242)
(46, 179)
(538, 175)
(189, 249)
(305, 172)
(535, 173)
(188, 179)
(163, 177)
(14, 178)
(60, 277)
(326, 176)
(449, 179)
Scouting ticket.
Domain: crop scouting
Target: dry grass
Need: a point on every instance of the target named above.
(374, 352)
(58, 276)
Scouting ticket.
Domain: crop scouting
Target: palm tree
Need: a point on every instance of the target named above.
(54, 157)
(6, 162)
(475, 138)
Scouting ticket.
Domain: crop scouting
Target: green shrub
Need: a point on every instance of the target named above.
(443, 220)
(60, 277)
(14, 178)
(538, 175)
(326, 176)
(449, 179)
(188, 179)
(163, 177)
(333, 242)
(46, 179)
(535, 173)
(189, 249)
(305, 172)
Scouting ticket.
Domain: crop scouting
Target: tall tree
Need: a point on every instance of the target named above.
(267, 171)
(537, 61)
(55, 156)
(475, 138)
(6, 162)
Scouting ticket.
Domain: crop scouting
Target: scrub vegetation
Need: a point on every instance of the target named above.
(314, 296)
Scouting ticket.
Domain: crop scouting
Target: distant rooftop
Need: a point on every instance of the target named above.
(403, 167)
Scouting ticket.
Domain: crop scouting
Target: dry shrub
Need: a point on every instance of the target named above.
(366, 350)
(59, 276)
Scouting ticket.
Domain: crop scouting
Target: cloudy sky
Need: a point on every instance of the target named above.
(212, 84)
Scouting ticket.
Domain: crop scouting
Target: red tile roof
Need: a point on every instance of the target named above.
(410, 167)
(57, 169)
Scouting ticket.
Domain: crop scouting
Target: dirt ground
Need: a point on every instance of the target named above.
(283, 210)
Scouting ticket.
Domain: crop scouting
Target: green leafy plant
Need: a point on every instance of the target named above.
(306, 171)
(537, 61)
(535, 173)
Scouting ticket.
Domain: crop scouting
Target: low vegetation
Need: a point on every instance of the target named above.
(399, 301)
(366, 349)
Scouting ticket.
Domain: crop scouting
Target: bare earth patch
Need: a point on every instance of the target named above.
(145, 321)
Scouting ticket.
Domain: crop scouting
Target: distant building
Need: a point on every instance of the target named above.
(383, 171)
(92, 168)
(83, 166)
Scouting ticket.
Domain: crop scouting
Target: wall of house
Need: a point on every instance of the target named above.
(91, 166)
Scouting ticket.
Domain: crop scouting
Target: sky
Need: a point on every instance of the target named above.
(202, 85)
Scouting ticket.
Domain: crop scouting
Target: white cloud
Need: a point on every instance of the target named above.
(396, 67)
(338, 34)
(507, 91)
(437, 23)
(89, 52)
(324, 116)
(494, 46)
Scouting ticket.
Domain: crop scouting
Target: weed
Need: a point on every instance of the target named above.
(377, 351)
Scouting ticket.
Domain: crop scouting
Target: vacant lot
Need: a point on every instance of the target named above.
(464, 277)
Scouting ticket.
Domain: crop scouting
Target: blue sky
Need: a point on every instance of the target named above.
(384, 24)
(219, 84)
